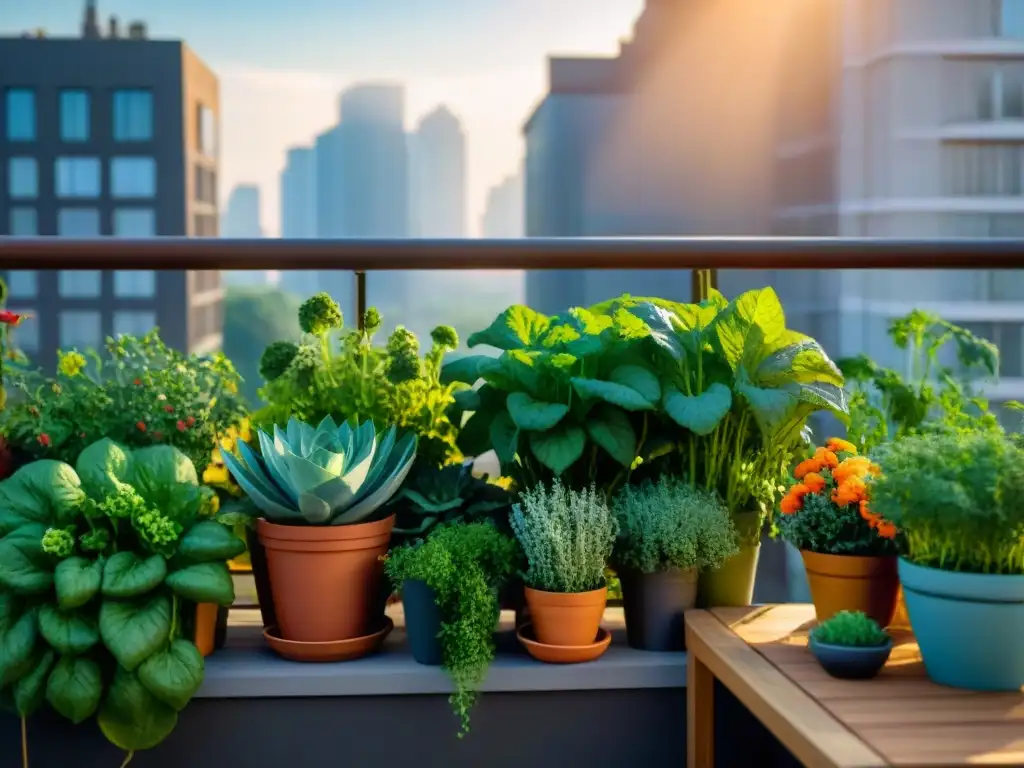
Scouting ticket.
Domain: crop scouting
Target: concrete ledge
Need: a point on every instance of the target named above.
(246, 668)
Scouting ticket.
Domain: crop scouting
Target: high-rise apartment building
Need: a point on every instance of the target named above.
(242, 220)
(109, 135)
(298, 214)
(503, 214)
(437, 176)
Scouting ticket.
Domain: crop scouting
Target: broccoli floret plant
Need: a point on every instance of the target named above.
(669, 524)
(354, 380)
(465, 564)
(101, 568)
(852, 629)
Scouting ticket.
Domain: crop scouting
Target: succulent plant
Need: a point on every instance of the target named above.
(324, 475)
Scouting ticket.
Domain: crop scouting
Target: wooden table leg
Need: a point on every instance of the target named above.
(700, 715)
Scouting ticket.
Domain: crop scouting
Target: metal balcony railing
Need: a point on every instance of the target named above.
(705, 256)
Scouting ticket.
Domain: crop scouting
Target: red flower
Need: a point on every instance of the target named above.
(137, 382)
(181, 425)
(190, 420)
(44, 440)
(140, 425)
(169, 408)
(10, 318)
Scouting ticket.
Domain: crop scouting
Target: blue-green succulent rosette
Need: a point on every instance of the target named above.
(100, 564)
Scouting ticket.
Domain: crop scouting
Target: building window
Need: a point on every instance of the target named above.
(22, 284)
(204, 225)
(22, 178)
(75, 115)
(206, 130)
(1011, 18)
(25, 336)
(133, 177)
(79, 283)
(20, 106)
(80, 330)
(134, 222)
(133, 115)
(205, 185)
(22, 222)
(983, 170)
(78, 222)
(134, 323)
(135, 284)
(77, 176)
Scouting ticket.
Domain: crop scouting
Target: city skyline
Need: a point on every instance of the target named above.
(487, 64)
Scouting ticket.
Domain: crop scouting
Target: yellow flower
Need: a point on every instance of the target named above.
(70, 363)
(215, 475)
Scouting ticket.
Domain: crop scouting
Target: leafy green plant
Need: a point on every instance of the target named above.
(852, 629)
(465, 564)
(566, 535)
(670, 524)
(141, 393)
(569, 398)
(956, 497)
(99, 567)
(359, 381)
(885, 405)
(324, 475)
(433, 497)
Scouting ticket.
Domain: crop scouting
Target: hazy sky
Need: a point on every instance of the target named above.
(282, 65)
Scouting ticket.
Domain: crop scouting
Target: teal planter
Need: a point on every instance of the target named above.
(968, 626)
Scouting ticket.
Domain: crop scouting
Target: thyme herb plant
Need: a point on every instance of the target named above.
(567, 537)
(958, 498)
(670, 524)
(465, 564)
(851, 629)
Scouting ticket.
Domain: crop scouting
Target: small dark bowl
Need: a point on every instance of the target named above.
(848, 662)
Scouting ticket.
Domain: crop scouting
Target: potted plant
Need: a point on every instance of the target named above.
(958, 498)
(668, 532)
(321, 490)
(850, 645)
(104, 568)
(567, 537)
(848, 549)
(449, 585)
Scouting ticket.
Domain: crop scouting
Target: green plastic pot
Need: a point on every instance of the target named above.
(732, 585)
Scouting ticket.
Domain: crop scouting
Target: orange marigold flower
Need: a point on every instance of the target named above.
(866, 513)
(838, 445)
(815, 483)
(851, 491)
(827, 458)
(791, 504)
(806, 467)
(886, 529)
(855, 466)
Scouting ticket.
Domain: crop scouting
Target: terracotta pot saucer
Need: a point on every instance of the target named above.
(336, 650)
(563, 654)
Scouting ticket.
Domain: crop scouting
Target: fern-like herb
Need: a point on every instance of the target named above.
(957, 498)
(852, 629)
(670, 524)
(465, 565)
(567, 537)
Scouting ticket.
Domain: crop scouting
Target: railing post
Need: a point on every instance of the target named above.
(702, 282)
(360, 299)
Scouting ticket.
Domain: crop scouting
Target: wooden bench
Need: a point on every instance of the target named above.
(900, 718)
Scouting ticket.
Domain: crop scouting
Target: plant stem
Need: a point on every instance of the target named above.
(128, 758)
(24, 743)
(174, 618)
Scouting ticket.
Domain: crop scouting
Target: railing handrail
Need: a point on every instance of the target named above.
(360, 255)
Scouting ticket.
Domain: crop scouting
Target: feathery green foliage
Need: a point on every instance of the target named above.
(853, 629)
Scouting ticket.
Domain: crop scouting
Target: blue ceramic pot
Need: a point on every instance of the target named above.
(968, 626)
(850, 662)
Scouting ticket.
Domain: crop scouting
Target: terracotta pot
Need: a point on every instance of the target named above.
(207, 615)
(852, 583)
(326, 579)
(566, 619)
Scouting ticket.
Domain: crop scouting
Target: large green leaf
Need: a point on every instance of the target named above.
(515, 328)
(132, 718)
(522, 369)
(30, 691)
(801, 360)
(135, 630)
(166, 478)
(578, 332)
(469, 369)
(18, 633)
(751, 327)
(126, 574)
(103, 468)
(662, 326)
(68, 632)
(204, 583)
(611, 429)
(612, 392)
(174, 674)
(24, 567)
(77, 580)
(699, 413)
(43, 491)
(559, 448)
(640, 379)
(209, 540)
(504, 438)
(534, 415)
(75, 687)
